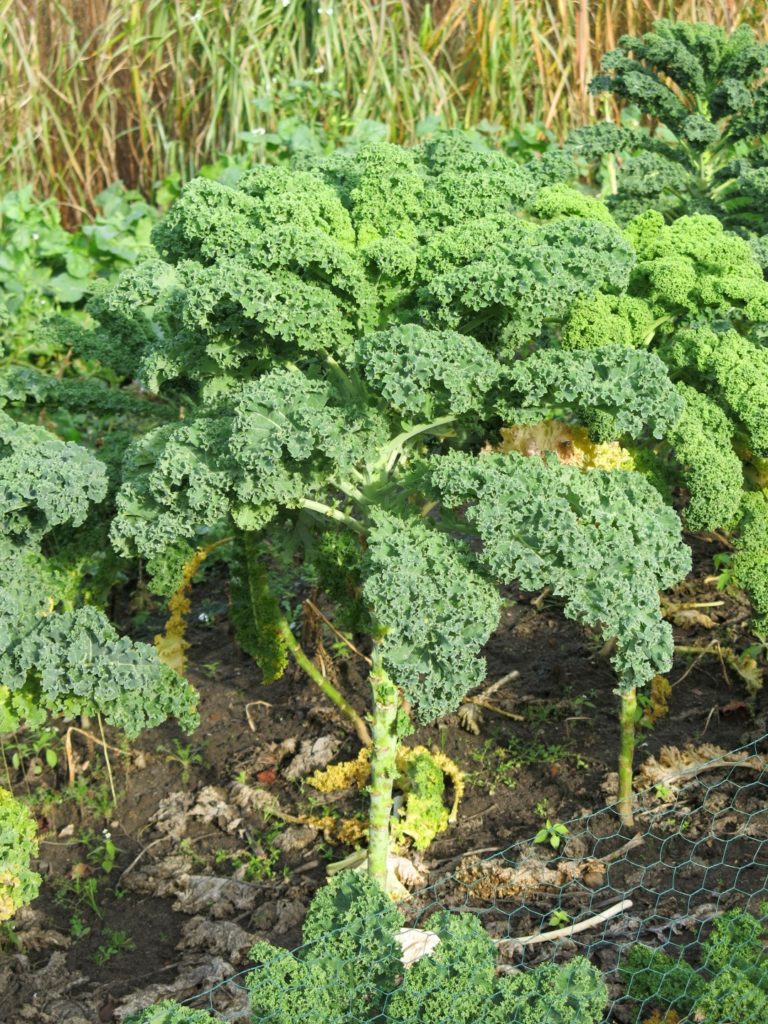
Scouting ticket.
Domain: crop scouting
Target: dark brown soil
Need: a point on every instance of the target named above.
(705, 847)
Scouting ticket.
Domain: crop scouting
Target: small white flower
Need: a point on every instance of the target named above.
(196, 16)
(106, 833)
(259, 131)
(319, 69)
(203, 617)
(35, 235)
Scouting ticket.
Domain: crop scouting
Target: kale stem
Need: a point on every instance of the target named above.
(395, 447)
(323, 682)
(627, 717)
(383, 769)
(332, 513)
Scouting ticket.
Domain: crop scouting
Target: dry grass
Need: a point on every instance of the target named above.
(94, 90)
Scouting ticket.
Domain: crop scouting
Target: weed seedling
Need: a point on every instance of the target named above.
(183, 754)
(78, 929)
(102, 850)
(559, 918)
(117, 942)
(553, 833)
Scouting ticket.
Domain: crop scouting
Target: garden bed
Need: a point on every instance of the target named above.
(98, 943)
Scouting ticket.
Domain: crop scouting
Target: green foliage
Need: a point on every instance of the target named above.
(435, 610)
(693, 270)
(169, 1012)
(18, 845)
(254, 610)
(334, 327)
(570, 993)
(704, 87)
(348, 965)
(452, 983)
(423, 374)
(698, 298)
(710, 468)
(749, 565)
(629, 388)
(57, 656)
(287, 311)
(603, 541)
(44, 268)
(731, 983)
(349, 970)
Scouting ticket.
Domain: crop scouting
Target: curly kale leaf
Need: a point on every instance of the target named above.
(454, 981)
(349, 970)
(651, 975)
(467, 181)
(694, 270)
(75, 662)
(211, 220)
(435, 611)
(169, 1012)
(571, 993)
(424, 374)
(128, 313)
(711, 470)
(560, 200)
(749, 566)
(603, 541)
(19, 884)
(734, 370)
(347, 966)
(289, 436)
(503, 281)
(730, 985)
(283, 990)
(597, 320)
(173, 485)
(629, 385)
(45, 482)
(337, 562)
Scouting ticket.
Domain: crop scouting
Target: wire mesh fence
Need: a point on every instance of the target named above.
(670, 913)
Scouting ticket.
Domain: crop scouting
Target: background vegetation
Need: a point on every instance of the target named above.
(139, 90)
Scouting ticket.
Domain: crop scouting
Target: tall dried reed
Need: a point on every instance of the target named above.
(94, 90)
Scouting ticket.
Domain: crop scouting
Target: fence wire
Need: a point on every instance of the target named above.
(699, 849)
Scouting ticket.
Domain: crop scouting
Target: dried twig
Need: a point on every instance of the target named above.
(637, 840)
(249, 705)
(69, 752)
(492, 707)
(569, 930)
(345, 640)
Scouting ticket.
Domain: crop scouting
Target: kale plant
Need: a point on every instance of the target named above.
(349, 971)
(705, 91)
(19, 884)
(697, 298)
(57, 654)
(333, 332)
(730, 983)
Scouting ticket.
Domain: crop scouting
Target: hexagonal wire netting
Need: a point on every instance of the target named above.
(699, 848)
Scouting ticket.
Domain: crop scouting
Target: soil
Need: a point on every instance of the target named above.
(203, 870)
